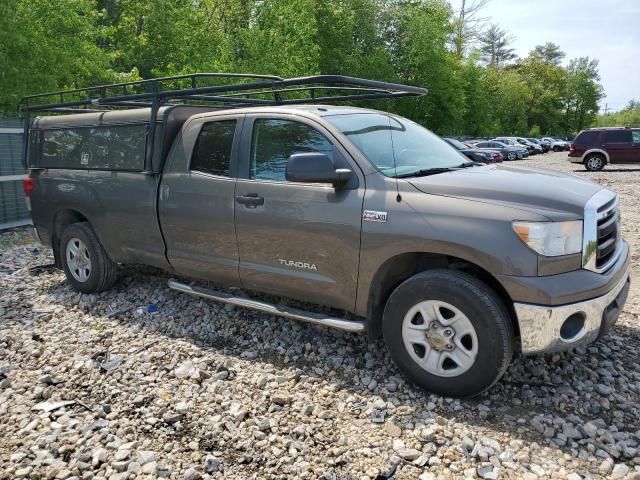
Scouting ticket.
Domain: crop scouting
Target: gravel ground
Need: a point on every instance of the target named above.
(95, 386)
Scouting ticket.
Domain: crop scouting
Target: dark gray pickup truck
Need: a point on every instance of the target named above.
(456, 264)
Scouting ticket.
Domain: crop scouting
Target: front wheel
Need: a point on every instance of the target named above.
(448, 333)
(86, 264)
(512, 156)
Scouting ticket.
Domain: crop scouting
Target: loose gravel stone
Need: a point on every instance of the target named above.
(203, 391)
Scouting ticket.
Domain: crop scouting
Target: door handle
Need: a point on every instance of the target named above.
(250, 200)
(164, 192)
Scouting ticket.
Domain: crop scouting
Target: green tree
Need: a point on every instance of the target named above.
(629, 116)
(583, 92)
(547, 82)
(494, 46)
(479, 118)
(467, 25)
(511, 97)
(48, 45)
(548, 53)
(421, 57)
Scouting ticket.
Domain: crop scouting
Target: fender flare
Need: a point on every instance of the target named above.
(596, 150)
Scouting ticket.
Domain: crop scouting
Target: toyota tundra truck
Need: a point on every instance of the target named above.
(278, 187)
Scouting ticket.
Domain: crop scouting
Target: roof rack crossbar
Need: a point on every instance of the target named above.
(240, 94)
(152, 81)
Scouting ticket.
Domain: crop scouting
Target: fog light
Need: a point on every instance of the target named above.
(572, 327)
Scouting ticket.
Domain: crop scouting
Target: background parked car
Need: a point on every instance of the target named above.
(514, 142)
(533, 148)
(598, 146)
(486, 156)
(509, 152)
(544, 146)
(545, 142)
(556, 145)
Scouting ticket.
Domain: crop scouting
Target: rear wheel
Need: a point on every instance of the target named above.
(86, 264)
(556, 148)
(512, 156)
(448, 333)
(594, 162)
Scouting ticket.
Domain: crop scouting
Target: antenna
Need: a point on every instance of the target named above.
(395, 163)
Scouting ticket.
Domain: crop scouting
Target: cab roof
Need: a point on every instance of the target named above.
(143, 115)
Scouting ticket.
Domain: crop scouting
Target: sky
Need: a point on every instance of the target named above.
(608, 30)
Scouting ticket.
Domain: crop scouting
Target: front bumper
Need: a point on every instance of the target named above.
(557, 328)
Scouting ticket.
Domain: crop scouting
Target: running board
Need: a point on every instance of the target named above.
(280, 310)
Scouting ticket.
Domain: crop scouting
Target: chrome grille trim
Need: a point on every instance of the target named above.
(599, 208)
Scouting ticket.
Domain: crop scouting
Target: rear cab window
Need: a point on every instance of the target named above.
(212, 153)
(635, 136)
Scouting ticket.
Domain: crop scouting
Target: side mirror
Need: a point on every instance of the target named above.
(315, 168)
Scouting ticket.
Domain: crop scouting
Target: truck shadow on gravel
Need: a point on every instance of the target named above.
(533, 400)
(610, 170)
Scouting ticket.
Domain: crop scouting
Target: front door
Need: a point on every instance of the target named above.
(295, 239)
(196, 204)
(635, 152)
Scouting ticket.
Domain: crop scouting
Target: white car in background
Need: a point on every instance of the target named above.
(555, 144)
(514, 142)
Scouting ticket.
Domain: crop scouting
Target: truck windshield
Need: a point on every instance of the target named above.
(396, 146)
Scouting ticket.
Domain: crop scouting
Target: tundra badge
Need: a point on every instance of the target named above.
(374, 216)
(293, 263)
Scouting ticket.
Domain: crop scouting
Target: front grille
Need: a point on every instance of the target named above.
(608, 234)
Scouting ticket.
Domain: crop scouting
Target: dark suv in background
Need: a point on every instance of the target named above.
(596, 147)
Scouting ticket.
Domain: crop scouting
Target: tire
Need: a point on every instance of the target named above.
(512, 156)
(556, 148)
(486, 352)
(594, 162)
(86, 264)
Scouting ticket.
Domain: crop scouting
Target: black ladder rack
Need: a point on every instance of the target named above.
(237, 90)
(243, 90)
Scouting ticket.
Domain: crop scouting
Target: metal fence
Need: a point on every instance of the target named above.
(13, 209)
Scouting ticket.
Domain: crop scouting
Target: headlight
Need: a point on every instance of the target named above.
(551, 239)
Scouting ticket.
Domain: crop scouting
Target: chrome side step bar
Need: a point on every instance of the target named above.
(280, 310)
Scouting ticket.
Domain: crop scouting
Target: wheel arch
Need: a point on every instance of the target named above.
(61, 220)
(600, 151)
(399, 268)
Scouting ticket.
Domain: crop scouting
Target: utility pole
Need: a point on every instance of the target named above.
(604, 117)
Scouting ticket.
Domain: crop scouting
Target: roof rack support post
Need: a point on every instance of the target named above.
(25, 139)
(151, 140)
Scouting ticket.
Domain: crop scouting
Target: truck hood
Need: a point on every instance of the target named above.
(546, 192)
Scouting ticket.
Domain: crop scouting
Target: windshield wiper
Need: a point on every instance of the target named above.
(423, 172)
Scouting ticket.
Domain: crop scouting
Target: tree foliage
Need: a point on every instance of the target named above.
(494, 45)
(629, 116)
(47, 45)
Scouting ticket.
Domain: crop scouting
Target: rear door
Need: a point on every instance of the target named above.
(618, 145)
(196, 203)
(296, 239)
